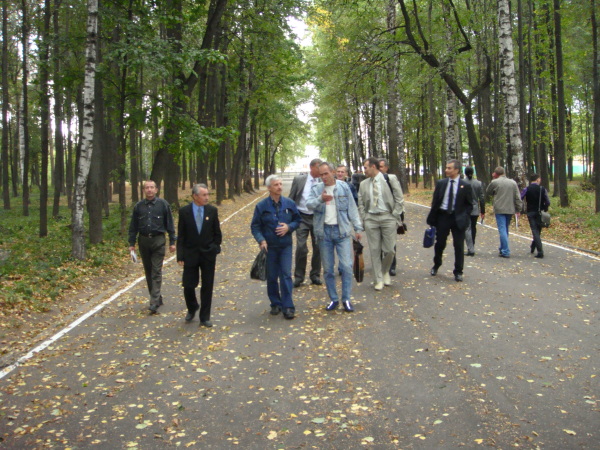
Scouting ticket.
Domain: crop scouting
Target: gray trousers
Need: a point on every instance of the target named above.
(306, 228)
(381, 236)
(152, 251)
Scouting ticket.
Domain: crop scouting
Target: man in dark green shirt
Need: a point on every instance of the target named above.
(150, 220)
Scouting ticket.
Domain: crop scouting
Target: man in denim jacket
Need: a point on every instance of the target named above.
(335, 215)
(275, 219)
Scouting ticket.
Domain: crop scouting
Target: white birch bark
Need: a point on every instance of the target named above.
(509, 89)
(85, 159)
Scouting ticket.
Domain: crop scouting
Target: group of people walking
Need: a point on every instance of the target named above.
(325, 206)
(328, 208)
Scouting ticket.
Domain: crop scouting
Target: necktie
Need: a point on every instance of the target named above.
(375, 193)
(451, 197)
(199, 220)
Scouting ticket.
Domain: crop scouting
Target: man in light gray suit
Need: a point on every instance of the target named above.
(380, 204)
(299, 193)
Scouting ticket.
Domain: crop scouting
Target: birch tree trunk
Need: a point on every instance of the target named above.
(451, 120)
(85, 158)
(509, 89)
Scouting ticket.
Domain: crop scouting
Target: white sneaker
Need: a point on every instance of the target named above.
(387, 280)
(379, 286)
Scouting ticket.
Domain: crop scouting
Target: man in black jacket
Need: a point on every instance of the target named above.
(198, 244)
(450, 210)
(537, 200)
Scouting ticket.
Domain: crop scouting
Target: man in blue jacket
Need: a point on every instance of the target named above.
(275, 219)
(335, 214)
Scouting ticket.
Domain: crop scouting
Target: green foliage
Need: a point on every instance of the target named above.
(35, 271)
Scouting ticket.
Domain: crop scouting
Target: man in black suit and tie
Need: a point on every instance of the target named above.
(450, 210)
(198, 245)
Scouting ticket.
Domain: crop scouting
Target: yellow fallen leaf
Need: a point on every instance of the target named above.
(571, 432)
(272, 435)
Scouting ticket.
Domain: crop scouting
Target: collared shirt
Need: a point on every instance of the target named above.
(447, 193)
(198, 210)
(381, 185)
(151, 217)
(310, 182)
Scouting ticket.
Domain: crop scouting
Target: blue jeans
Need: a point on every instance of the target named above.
(279, 276)
(343, 247)
(503, 222)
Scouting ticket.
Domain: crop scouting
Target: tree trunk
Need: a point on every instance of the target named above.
(25, 109)
(84, 161)
(5, 102)
(560, 145)
(451, 120)
(59, 167)
(509, 89)
(44, 116)
(596, 84)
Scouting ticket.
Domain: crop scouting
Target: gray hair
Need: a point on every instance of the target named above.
(196, 188)
(315, 162)
(328, 164)
(271, 178)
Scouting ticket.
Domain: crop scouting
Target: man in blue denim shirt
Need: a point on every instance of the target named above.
(275, 219)
(335, 214)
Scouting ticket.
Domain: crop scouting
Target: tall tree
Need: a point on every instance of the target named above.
(509, 88)
(78, 250)
(24, 135)
(5, 104)
(44, 76)
(596, 86)
(560, 145)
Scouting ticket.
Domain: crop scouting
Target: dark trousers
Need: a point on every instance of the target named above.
(191, 279)
(279, 276)
(473, 227)
(446, 223)
(306, 228)
(535, 222)
(152, 251)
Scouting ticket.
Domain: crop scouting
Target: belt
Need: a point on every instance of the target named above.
(151, 235)
(447, 212)
(305, 214)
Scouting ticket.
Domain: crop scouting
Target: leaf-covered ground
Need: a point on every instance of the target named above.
(504, 359)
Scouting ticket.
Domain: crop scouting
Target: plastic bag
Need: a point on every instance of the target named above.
(259, 267)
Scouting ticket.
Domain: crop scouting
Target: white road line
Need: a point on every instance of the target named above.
(93, 311)
(527, 238)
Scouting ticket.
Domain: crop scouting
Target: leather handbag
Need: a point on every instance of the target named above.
(402, 228)
(544, 215)
(429, 237)
(259, 267)
(359, 262)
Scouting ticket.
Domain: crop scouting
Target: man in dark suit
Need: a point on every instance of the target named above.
(450, 210)
(299, 193)
(198, 245)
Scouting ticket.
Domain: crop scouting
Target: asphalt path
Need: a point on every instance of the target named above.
(507, 358)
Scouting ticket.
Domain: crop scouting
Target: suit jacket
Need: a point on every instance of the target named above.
(191, 246)
(298, 187)
(478, 198)
(394, 201)
(463, 204)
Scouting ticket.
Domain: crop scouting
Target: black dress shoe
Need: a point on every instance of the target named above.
(503, 256)
(393, 272)
(206, 323)
(458, 277)
(316, 281)
(532, 247)
(539, 255)
(297, 283)
(470, 254)
(434, 271)
(153, 310)
(288, 313)
(275, 309)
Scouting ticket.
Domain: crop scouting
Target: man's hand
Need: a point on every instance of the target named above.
(263, 246)
(282, 229)
(518, 214)
(326, 197)
(358, 236)
(180, 263)
(172, 248)
(131, 249)
(482, 216)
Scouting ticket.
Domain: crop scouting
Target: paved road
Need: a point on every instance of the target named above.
(507, 358)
